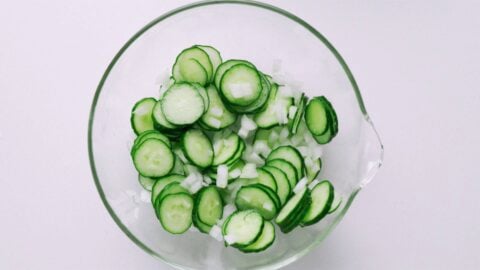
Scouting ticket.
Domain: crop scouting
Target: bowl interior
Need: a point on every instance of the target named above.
(267, 37)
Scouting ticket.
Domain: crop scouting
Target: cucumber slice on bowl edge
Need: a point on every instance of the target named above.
(141, 117)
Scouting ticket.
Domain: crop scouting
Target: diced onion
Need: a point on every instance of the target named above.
(230, 239)
(222, 176)
(260, 147)
(235, 173)
(216, 111)
(247, 123)
(313, 184)
(300, 185)
(243, 133)
(249, 171)
(145, 196)
(215, 123)
(216, 233)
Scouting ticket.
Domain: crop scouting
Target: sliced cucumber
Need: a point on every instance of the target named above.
(208, 206)
(332, 128)
(213, 54)
(259, 104)
(255, 197)
(159, 120)
(146, 182)
(226, 66)
(182, 104)
(313, 171)
(265, 240)
(286, 168)
(204, 228)
(175, 212)
(283, 186)
(161, 183)
(243, 227)
(238, 154)
(193, 65)
(241, 85)
(197, 148)
(337, 201)
(153, 158)
(172, 188)
(203, 93)
(290, 154)
(302, 103)
(266, 136)
(269, 116)
(316, 116)
(322, 197)
(293, 211)
(273, 195)
(151, 134)
(225, 148)
(217, 116)
(141, 118)
(265, 178)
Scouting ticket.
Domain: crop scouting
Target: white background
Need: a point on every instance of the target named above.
(417, 63)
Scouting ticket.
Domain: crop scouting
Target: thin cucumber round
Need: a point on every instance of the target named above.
(290, 154)
(175, 212)
(225, 149)
(244, 227)
(259, 104)
(217, 116)
(337, 201)
(294, 124)
(203, 93)
(208, 206)
(161, 183)
(287, 219)
(182, 104)
(255, 197)
(287, 168)
(197, 148)
(146, 182)
(265, 178)
(238, 154)
(316, 116)
(193, 65)
(322, 197)
(269, 116)
(159, 120)
(202, 227)
(273, 195)
(266, 239)
(172, 188)
(213, 54)
(283, 186)
(241, 85)
(141, 117)
(153, 158)
(151, 134)
(226, 66)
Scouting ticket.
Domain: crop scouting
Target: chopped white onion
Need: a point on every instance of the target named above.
(216, 233)
(216, 111)
(280, 113)
(145, 196)
(313, 184)
(260, 147)
(228, 210)
(292, 110)
(300, 185)
(284, 134)
(304, 150)
(249, 171)
(273, 137)
(195, 187)
(222, 176)
(235, 173)
(308, 162)
(248, 123)
(230, 239)
(215, 123)
(267, 206)
(297, 140)
(207, 180)
(243, 133)
(254, 158)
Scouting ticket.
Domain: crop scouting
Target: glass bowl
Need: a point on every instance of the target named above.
(249, 30)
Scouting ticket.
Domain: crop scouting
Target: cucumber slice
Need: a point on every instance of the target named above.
(175, 212)
(265, 135)
(226, 66)
(286, 168)
(288, 218)
(208, 206)
(265, 240)
(283, 186)
(161, 183)
(159, 120)
(217, 116)
(237, 165)
(265, 178)
(146, 182)
(182, 104)
(202, 227)
(273, 195)
(243, 227)
(197, 148)
(224, 149)
(213, 54)
(302, 103)
(316, 116)
(238, 154)
(337, 201)
(255, 197)
(204, 95)
(332, 128)
(322, 197)
(241, 85)
(151, 134)
(259, 104)
(153, 158)
(290, 154)
(313, 171)
(141, 118)
(193, 65)
(268, 117)
(172, 188)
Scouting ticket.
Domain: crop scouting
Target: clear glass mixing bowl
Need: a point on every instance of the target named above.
(239, 29)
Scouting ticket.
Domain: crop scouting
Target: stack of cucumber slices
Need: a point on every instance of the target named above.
(232, 152)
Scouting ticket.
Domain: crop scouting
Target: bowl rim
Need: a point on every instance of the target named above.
(278, 11)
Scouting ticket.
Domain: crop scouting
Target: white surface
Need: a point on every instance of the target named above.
(416, 61)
